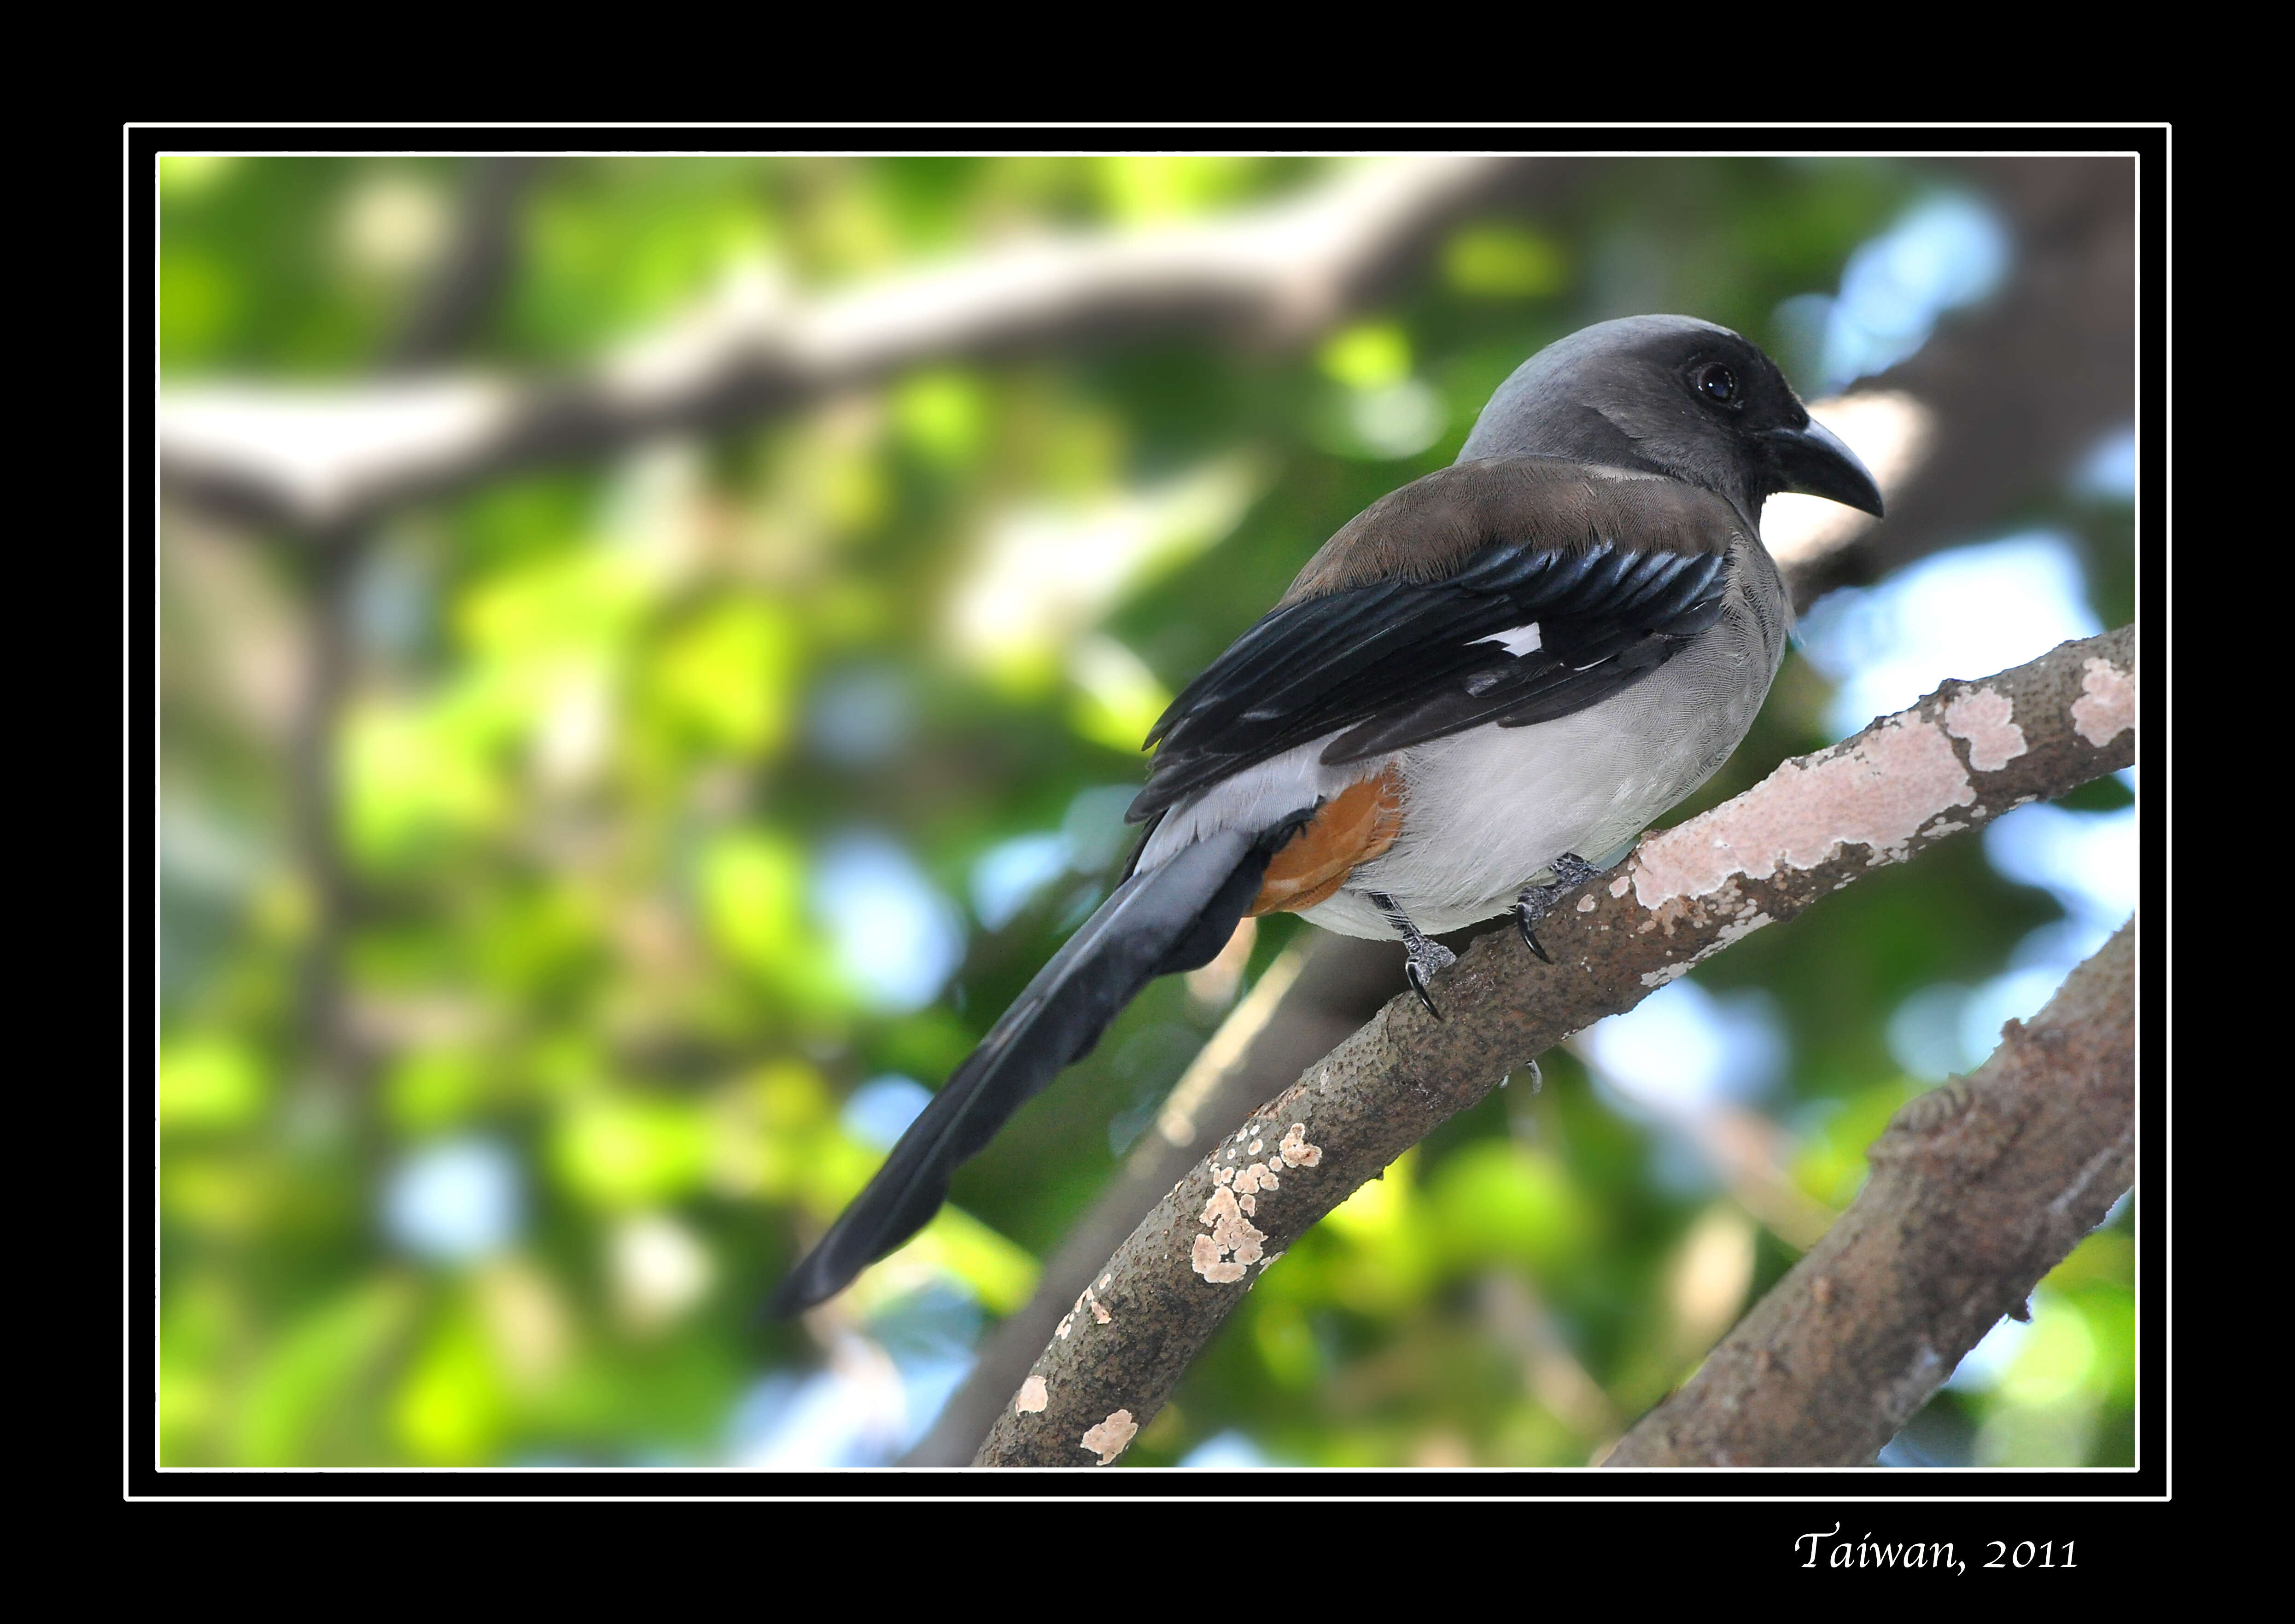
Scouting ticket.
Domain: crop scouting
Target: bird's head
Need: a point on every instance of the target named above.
(1675, 396)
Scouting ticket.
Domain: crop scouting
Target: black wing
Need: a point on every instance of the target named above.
(1397, 662)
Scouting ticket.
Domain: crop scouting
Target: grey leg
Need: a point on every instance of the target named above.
(1569, 871)
(1426, 958)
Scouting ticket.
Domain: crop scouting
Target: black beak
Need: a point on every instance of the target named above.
(1812, 461)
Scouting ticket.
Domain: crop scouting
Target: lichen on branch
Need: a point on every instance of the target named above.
(1818, 824)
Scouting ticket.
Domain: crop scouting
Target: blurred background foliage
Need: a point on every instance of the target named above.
(698, 808)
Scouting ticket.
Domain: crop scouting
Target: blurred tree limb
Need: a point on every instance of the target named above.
(2036, 375)
(481, 255)
(1304, 1006)
(314, 799)
(1275, 274)
(1979, 1188)
(1965, 755)
(2001, 400)
(451, 305)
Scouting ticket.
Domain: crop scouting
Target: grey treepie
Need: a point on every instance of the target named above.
(1474, 697)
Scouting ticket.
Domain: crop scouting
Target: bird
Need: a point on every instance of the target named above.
(1474, 697)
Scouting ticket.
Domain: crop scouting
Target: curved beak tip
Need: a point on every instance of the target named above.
(1816, 461)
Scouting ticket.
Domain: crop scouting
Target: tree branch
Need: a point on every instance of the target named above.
(2000, 399)
(315, 801)
(1960, 757)
(476, 266)
(1264, 1044)
(1303, 1007)
(1275, 274)
(1997, 401)
(1979, 1188)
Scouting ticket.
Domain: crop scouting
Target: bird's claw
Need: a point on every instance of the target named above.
(1423, 960)
(1569, 871)
(1426, 961)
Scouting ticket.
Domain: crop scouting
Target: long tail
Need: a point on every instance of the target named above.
(1175, 916)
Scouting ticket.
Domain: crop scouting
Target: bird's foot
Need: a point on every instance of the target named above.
(1427, 959)
(1424, 959)
(1569, 871)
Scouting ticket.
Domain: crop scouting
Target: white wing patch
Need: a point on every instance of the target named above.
(1521, 640)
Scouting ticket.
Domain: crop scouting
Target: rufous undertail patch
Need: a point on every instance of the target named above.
(1348, 830)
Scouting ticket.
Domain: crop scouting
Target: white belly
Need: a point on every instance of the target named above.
(1486, 812)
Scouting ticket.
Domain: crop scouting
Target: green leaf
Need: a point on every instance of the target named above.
(620, 1151)
(729, 676)
(294, 1397)
(452, 1409)
(210, 1082)
(1502, 1200)
(1369, 355)
(1505, 261)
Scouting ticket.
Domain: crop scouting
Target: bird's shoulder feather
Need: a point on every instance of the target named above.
(1509, 590)
(1429, 529)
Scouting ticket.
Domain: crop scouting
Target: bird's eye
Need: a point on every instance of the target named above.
(1715, 382)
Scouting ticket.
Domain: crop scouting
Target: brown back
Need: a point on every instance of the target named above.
(1428, 529)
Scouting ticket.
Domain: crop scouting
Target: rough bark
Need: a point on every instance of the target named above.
(1979, 1188)
(1962, 756)
(1303, 1007)
(1999, 404)
(2010, 393)
(1340, 988)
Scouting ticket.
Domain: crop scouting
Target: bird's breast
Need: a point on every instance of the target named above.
(1486, 811)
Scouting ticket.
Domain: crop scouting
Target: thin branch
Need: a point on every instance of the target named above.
(1979, 1188)
(1960, 757)
(1303, 1005)
(315, 801)
(1264, 1044)
(453, 301)
(2038, 373)
(1275, 274)
(476, 266)
(1995, 404)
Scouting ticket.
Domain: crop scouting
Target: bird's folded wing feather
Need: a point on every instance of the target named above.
(1513, 591)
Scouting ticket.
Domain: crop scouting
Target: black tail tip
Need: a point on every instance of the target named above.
(794, 1295)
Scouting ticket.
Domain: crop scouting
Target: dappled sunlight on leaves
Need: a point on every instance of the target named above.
(680, 795)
